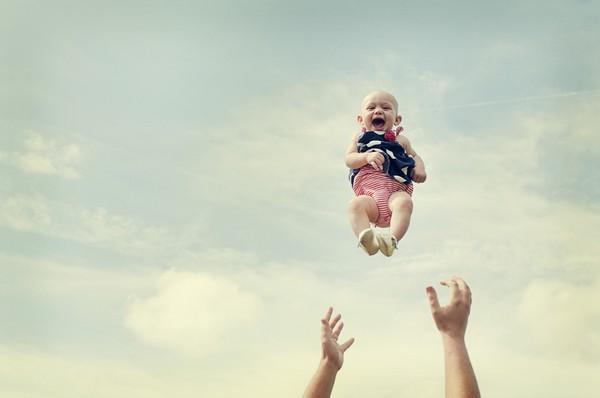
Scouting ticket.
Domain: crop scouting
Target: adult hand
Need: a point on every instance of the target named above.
(332, 351)
(451, 320)
(375, 159)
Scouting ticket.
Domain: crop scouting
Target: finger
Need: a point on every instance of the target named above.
(461, 284)
(464, 284)
(325, 329)
(338, 330)
(347, 344)
(335, 320)
(453, 285)
(434, 304)
(468, 292)
(464, 288)
(327, 316)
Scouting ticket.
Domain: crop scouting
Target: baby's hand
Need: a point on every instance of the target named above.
(375, 159)
(419, 174)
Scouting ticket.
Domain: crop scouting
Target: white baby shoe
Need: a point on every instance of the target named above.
(367, 240)
(387, 244)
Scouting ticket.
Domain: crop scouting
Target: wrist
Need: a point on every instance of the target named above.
(328, 365)
(356, 160)
(453, 338)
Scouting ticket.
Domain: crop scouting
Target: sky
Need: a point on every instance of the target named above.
(173, 195)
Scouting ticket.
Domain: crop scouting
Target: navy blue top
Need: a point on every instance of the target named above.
(397, 164)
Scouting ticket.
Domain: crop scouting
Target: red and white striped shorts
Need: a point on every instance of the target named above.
(380, 187)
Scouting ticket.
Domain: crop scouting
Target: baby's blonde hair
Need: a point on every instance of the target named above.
(394, 101)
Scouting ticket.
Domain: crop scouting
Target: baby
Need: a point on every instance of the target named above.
(383, 166)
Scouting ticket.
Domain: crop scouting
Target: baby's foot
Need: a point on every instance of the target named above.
(367, 240)
(387, 244)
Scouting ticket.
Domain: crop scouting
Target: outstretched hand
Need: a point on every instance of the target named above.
(332, 351)
(451, 320)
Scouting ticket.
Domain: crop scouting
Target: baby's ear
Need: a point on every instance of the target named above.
(398, 119)
(359, 119)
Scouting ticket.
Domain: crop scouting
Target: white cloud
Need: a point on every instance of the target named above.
(95, 226)
(28, 373)
(42, 155)
(99, 226)
(563, 317)
(290, 149)
(52, 279)
(483, 202)
(397, 351)
(192, 312)
(477, 213)
(24, 213)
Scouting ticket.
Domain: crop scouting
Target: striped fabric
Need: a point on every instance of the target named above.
(396, 162)
(380, 187)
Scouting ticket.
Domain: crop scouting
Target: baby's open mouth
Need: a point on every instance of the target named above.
(378, 122)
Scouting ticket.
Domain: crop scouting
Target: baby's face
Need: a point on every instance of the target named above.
(379, 111)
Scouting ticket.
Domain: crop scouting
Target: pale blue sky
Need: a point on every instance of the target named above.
(173, 194)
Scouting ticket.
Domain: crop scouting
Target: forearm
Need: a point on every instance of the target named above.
(322, 382)
(460, 377)
(418, 162)
(356, 160)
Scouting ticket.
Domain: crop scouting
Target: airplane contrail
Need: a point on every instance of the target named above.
(515, 100)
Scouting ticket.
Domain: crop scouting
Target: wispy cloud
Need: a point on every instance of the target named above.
(99, 226)
(196, 215)
(42, 155)
(515, 100)
(93, 226)
(25, 213)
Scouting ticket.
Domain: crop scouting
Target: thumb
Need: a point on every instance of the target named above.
(433, 299)
(347, 344)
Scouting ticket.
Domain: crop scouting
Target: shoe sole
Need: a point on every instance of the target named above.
(384, 247)
(369, 242)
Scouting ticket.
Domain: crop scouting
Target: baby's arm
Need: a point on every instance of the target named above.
(356, 160)
(419, 174)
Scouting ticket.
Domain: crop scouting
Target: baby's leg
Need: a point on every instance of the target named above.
(362, 210)
(401, 207)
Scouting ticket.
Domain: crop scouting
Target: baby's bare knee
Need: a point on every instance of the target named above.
(358, 204)
(402, 203)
